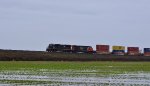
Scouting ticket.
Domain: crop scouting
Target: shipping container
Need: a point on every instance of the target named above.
(146, 49)
(118, 48)
(133, 51)
(102, 49)
(118, 52)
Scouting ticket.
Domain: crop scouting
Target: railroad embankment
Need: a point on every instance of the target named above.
(21, 55)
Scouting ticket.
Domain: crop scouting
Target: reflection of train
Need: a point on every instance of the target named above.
(100, 49)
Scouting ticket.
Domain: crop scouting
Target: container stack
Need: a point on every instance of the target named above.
(102, 49)
(146, 51)
(133, 51)
(118, 50)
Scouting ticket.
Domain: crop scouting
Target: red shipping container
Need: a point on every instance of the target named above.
(133, 51)
(102, 49)
(147, 54)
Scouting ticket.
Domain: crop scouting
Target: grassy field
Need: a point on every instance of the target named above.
(11, 71)
(107, 66)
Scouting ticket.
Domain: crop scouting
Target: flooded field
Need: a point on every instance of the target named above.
(70, 76)
(74, 78)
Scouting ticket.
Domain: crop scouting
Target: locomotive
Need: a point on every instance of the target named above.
(69, 48)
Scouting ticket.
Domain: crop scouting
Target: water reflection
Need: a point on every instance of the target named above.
(82, 79)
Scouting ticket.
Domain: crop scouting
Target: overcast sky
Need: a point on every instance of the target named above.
(33, 24)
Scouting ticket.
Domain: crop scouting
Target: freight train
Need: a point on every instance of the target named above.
(100, 49)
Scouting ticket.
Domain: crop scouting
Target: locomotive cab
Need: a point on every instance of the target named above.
(90, 50)
(53, 48)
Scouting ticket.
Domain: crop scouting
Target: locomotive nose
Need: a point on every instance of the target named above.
(90, 49)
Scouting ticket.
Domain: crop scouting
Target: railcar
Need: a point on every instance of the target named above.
(69, 48)
(59, 48)
(82, 49)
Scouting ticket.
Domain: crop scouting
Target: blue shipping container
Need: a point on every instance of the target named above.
(118, 52)
(146, 49)
(114, 51)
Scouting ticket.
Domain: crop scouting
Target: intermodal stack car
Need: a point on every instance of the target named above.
(146, 51)
(133, 51)
(118, 50)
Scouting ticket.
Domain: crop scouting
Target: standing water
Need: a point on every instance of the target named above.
(73, 78)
